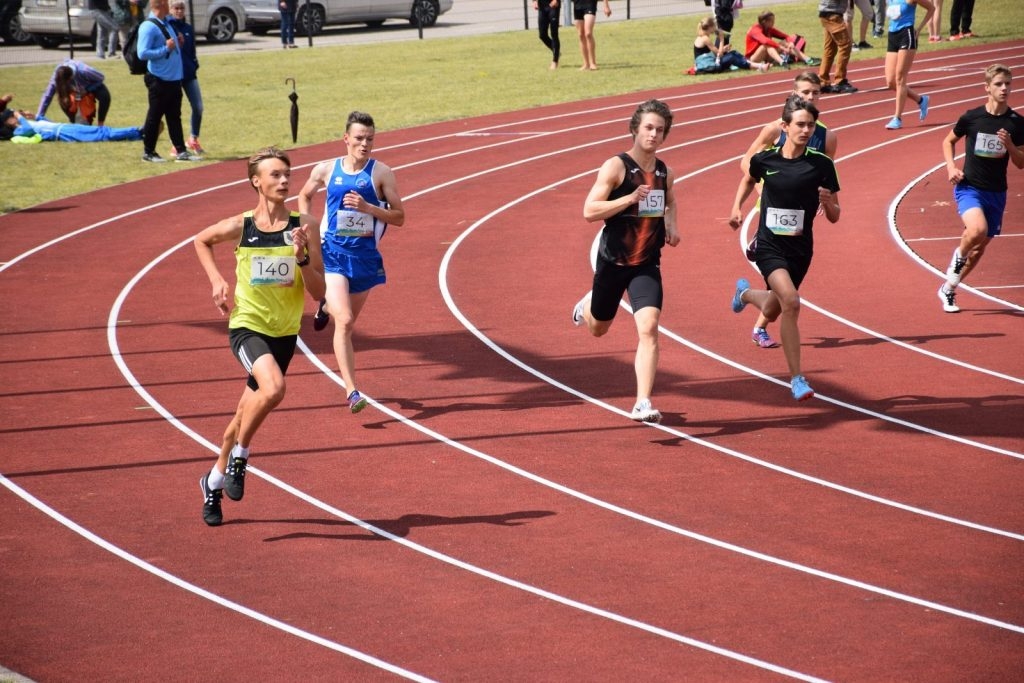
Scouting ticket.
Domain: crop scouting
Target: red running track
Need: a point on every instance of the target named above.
(494, 515)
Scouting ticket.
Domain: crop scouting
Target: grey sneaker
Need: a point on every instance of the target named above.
(212, 514)
(234, 477)
(643, 411)
(187, 156)
(153, 158)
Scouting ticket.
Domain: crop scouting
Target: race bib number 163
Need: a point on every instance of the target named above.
(786, 222)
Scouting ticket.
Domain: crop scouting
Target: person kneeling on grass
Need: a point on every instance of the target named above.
(277, 259)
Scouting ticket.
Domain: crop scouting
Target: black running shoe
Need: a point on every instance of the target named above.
(321, 317)
(234, 477)
(212, 514)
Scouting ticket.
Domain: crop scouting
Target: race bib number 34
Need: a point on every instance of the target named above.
(272, 271)
(354, 224)
(653, 205)
(786, 222)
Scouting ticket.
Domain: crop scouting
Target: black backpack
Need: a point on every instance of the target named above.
(130, 51)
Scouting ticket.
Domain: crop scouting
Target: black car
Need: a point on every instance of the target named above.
(10, 24)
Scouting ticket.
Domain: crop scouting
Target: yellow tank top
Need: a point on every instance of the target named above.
(269, 292)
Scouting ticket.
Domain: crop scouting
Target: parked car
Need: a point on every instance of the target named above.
(10, 23)
(47, 20)
(263, 15)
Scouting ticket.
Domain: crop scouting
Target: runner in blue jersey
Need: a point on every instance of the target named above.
(362, 200)
(807, 85)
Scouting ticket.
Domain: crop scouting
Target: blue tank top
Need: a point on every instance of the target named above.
(817, 140)
(901, 15)
(347, 230)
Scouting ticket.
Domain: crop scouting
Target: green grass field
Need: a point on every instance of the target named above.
(247, 105)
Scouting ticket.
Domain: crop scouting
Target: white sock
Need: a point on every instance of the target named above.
(215, 480)
(240, 452)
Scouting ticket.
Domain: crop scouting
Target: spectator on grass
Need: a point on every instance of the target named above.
(866, 15)
(712, 43)
(161, 49)
(547, 26)
(765, 42)
(960, 17)
(584, 16)
(287, 9)
(190, 79)
(71, 81)
(838, 45)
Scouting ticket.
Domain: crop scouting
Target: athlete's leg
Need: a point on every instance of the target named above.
(974, 239)
(789, 299)
(345, 308)
(646, 361)
(904, 60)
(254, 406)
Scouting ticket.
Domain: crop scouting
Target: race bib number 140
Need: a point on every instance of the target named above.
(273, 271)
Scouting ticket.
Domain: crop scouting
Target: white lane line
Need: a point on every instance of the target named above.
(202, 592)
(174, 421)
(895, 232)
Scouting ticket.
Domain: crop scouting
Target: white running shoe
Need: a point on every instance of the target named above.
(577, 310)
(948, 298)
(643, 411)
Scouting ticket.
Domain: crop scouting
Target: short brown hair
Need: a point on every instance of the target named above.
(264, 154)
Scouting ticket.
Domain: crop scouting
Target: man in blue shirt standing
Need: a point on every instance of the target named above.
(161, 48)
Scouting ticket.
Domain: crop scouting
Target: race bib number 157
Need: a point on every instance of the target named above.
(653, 205)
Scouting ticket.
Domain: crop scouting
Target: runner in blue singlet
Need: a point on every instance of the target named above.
(362, 200)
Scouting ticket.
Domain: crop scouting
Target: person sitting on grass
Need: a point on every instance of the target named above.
(765, 42)
(713, 53)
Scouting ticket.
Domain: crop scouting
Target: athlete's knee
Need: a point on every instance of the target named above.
(599, 328)
(790, 303)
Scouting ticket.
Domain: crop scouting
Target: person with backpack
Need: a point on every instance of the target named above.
(161, 49)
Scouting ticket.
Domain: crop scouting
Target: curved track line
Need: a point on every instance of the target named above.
(133, 382)
(453, 307)
(895, 232)
(202, 592)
